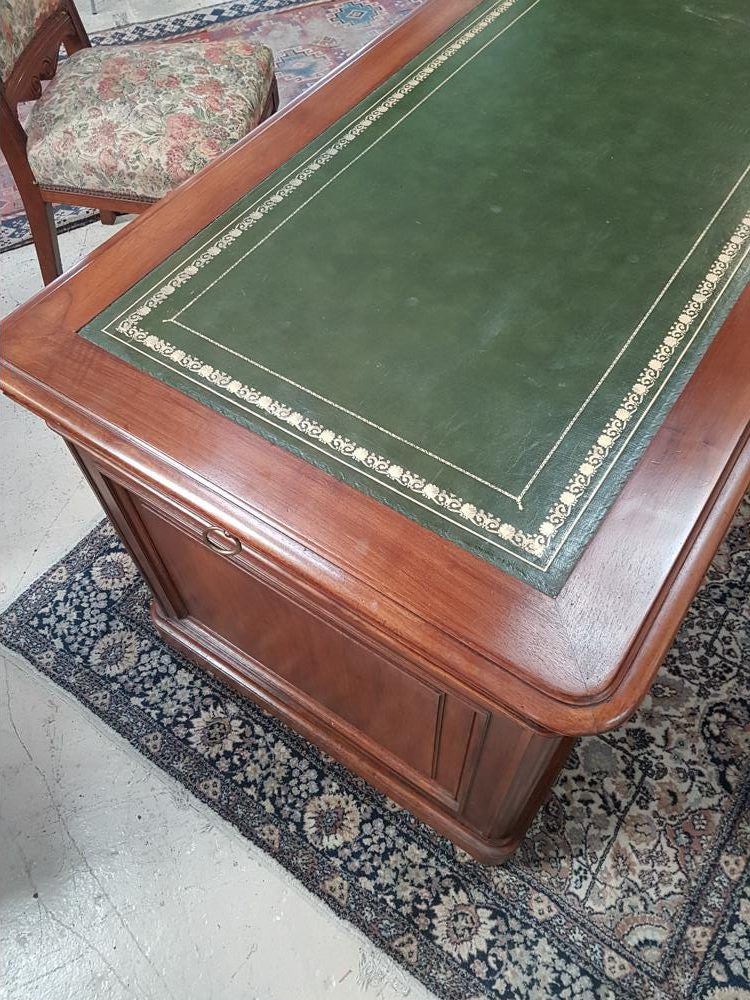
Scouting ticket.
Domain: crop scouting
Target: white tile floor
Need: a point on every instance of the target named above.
(114, 882)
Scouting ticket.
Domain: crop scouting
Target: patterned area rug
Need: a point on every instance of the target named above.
(308, 40)
(634, 881)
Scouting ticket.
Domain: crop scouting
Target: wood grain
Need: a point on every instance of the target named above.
(530, 671)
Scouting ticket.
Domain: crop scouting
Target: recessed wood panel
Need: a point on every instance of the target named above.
(486, 774)
(415, 721)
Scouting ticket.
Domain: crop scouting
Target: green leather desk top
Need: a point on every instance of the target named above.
(477, 295)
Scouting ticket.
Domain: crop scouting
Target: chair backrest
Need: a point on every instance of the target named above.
(19, 21)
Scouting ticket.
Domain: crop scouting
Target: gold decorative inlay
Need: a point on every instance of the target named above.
(485, 524)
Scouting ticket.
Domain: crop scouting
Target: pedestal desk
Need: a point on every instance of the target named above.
(423, 410)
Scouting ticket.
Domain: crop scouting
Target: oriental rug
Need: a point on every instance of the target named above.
(632, 884)
(308, 39)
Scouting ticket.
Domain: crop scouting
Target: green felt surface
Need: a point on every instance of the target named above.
(477, 295)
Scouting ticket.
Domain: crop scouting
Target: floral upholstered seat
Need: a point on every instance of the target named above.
(137, 120)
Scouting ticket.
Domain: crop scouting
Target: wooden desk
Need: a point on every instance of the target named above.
(453, 684)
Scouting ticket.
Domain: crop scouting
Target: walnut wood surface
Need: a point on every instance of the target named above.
(542, 669)
(477, 777)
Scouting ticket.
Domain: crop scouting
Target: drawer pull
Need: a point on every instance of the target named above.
(221, 541)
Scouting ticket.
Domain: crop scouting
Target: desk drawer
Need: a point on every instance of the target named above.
(295, 651)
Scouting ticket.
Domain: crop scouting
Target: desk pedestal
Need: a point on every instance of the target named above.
(474, 774)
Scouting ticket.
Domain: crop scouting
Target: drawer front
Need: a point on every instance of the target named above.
(425, 730)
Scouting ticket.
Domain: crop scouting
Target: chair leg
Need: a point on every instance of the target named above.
(38, 211)
(107, 217)
(41, 218)
(272, 101)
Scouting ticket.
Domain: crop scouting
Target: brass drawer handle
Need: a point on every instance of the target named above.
(221, 541)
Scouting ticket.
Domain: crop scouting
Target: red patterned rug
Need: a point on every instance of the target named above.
(308, 40)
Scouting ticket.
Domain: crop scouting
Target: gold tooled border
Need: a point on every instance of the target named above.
(558, 514)
(489, 524)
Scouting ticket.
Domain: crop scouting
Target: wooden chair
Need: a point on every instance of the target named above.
(117, 126)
